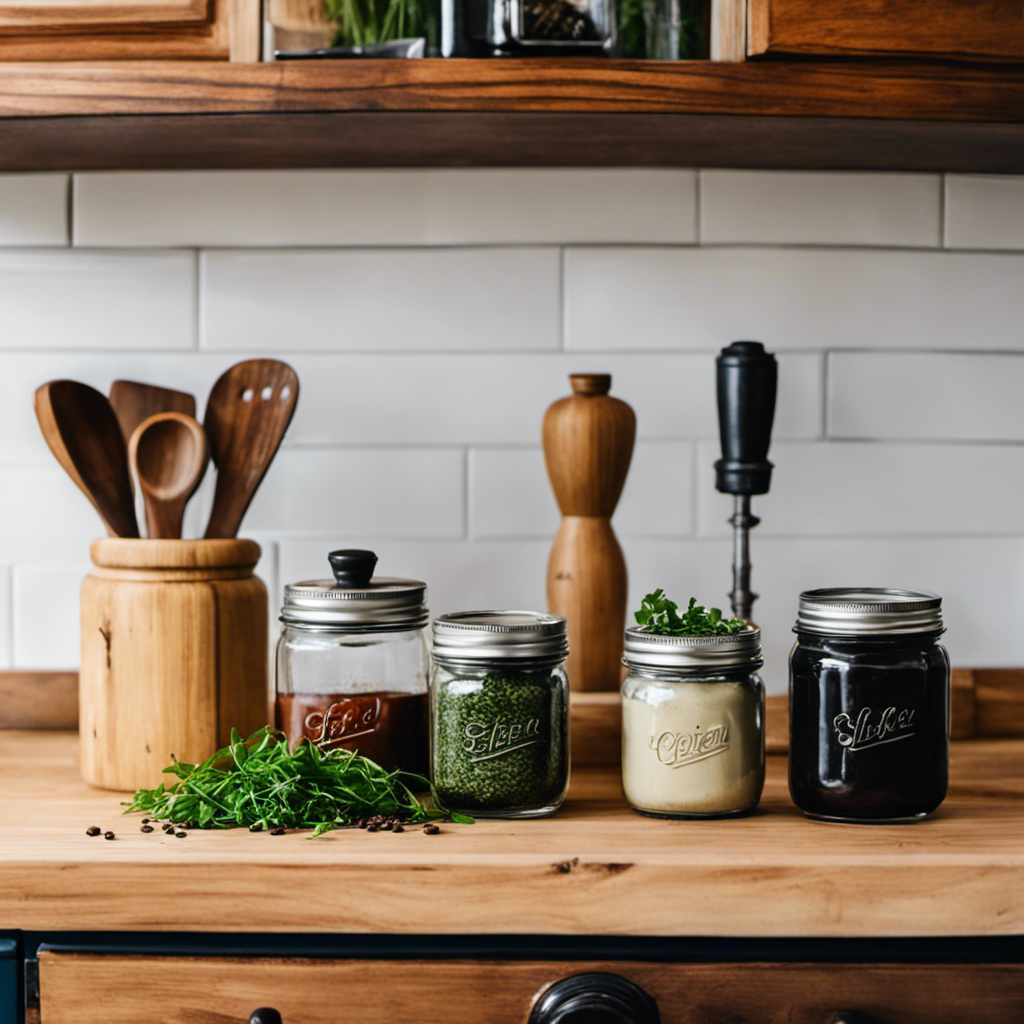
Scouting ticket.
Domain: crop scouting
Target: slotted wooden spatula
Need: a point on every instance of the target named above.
(83, 433)
(248, 413)
(134, 402)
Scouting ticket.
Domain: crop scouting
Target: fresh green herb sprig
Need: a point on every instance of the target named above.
(661, 616)
(259, 783)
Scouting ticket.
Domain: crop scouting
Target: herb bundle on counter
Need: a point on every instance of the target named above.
(661, 616)
(260, 785)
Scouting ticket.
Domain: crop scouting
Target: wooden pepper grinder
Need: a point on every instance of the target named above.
(588, 444)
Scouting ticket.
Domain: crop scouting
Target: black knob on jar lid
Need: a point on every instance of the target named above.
(352, 567)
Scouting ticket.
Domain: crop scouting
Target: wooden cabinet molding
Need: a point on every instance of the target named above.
(964, 29)
(36, 30)
(96, 989)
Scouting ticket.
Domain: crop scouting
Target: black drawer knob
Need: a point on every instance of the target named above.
(265, 1015)
(595, 998)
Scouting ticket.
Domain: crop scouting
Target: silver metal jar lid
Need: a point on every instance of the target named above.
(356, 600)
(500, 636)
(642, 649)
(865, 611)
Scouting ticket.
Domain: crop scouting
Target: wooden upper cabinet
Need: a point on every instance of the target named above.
(965, 29)
(130, 29)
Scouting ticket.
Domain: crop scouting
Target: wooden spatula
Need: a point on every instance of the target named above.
(248, 413)
(134, 402)
(168, 454)
(83, 433)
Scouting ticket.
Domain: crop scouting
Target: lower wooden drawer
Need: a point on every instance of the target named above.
(78, 988)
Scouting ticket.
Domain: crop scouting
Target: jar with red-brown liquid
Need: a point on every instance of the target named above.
(353, 663)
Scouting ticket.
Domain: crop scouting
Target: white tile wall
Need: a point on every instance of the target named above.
(431, 341)
(385, 207)
(285, 301)
(926, 396)
(984, 212)
(816, 208)
(97, 300)
(864, 489)
(657, 298)
(510, 496)
(6, 624)
(34, 209)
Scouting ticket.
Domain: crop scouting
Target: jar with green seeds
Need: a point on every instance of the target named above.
(499, 711)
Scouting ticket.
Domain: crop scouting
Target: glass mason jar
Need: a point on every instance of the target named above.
(499, 710)
(692, 724)
(869, 706)
(353, 664)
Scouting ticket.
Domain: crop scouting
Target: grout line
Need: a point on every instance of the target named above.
(467, 532)
(942, 211)
(698, 227)
(563, 327)
(70, 209)
(197, 300)
(826, 371)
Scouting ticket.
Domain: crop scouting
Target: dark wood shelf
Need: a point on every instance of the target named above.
(908, 115)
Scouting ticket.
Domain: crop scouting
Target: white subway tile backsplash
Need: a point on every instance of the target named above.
(46, 625)
(887, 489)
(639, 298)
(460, 399)
(984, 212)
(44, 517)
(6, 633)
(444, 299)
(501, 399)
(385, 207)
(460, 575)
(510, 495)
(926, 396)
(815, 208)
(414, 492)
(34, 209)
(97, 300)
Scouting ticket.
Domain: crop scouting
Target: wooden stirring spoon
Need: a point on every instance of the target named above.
(134, 402)
(247, 415)
(168, 454)
(83, 433)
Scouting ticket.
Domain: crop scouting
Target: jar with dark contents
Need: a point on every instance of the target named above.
(869, 706)
(353, 664)
(500, 713)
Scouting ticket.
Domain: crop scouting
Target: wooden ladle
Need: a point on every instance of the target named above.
(247, 415)
(168, 455)
(134, 402)
(83, 433)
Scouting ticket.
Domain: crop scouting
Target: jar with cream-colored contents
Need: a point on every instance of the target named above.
(693, 724)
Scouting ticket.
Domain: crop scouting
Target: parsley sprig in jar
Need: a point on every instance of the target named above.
(499, 706)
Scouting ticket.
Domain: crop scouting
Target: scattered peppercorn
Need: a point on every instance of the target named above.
(373, 828)
(256, 827)
(277, 831)
(109, 835)
(431, 830)
(387, 826)
(146, 828)
(399, 828)
(145, 821)
(93, 830)
(181, 835)
(167, 828)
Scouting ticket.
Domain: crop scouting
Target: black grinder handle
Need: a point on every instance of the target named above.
(747, 381)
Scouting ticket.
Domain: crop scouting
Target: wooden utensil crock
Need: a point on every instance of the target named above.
(174, 653)
(588, 444)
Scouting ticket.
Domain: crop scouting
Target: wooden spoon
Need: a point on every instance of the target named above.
(134, 402)
(168, 454)
(83, 433)
(247, 415)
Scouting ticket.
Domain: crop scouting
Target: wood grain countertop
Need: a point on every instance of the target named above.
(594, 868)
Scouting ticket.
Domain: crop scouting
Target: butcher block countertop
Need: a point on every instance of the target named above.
(596, 868)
